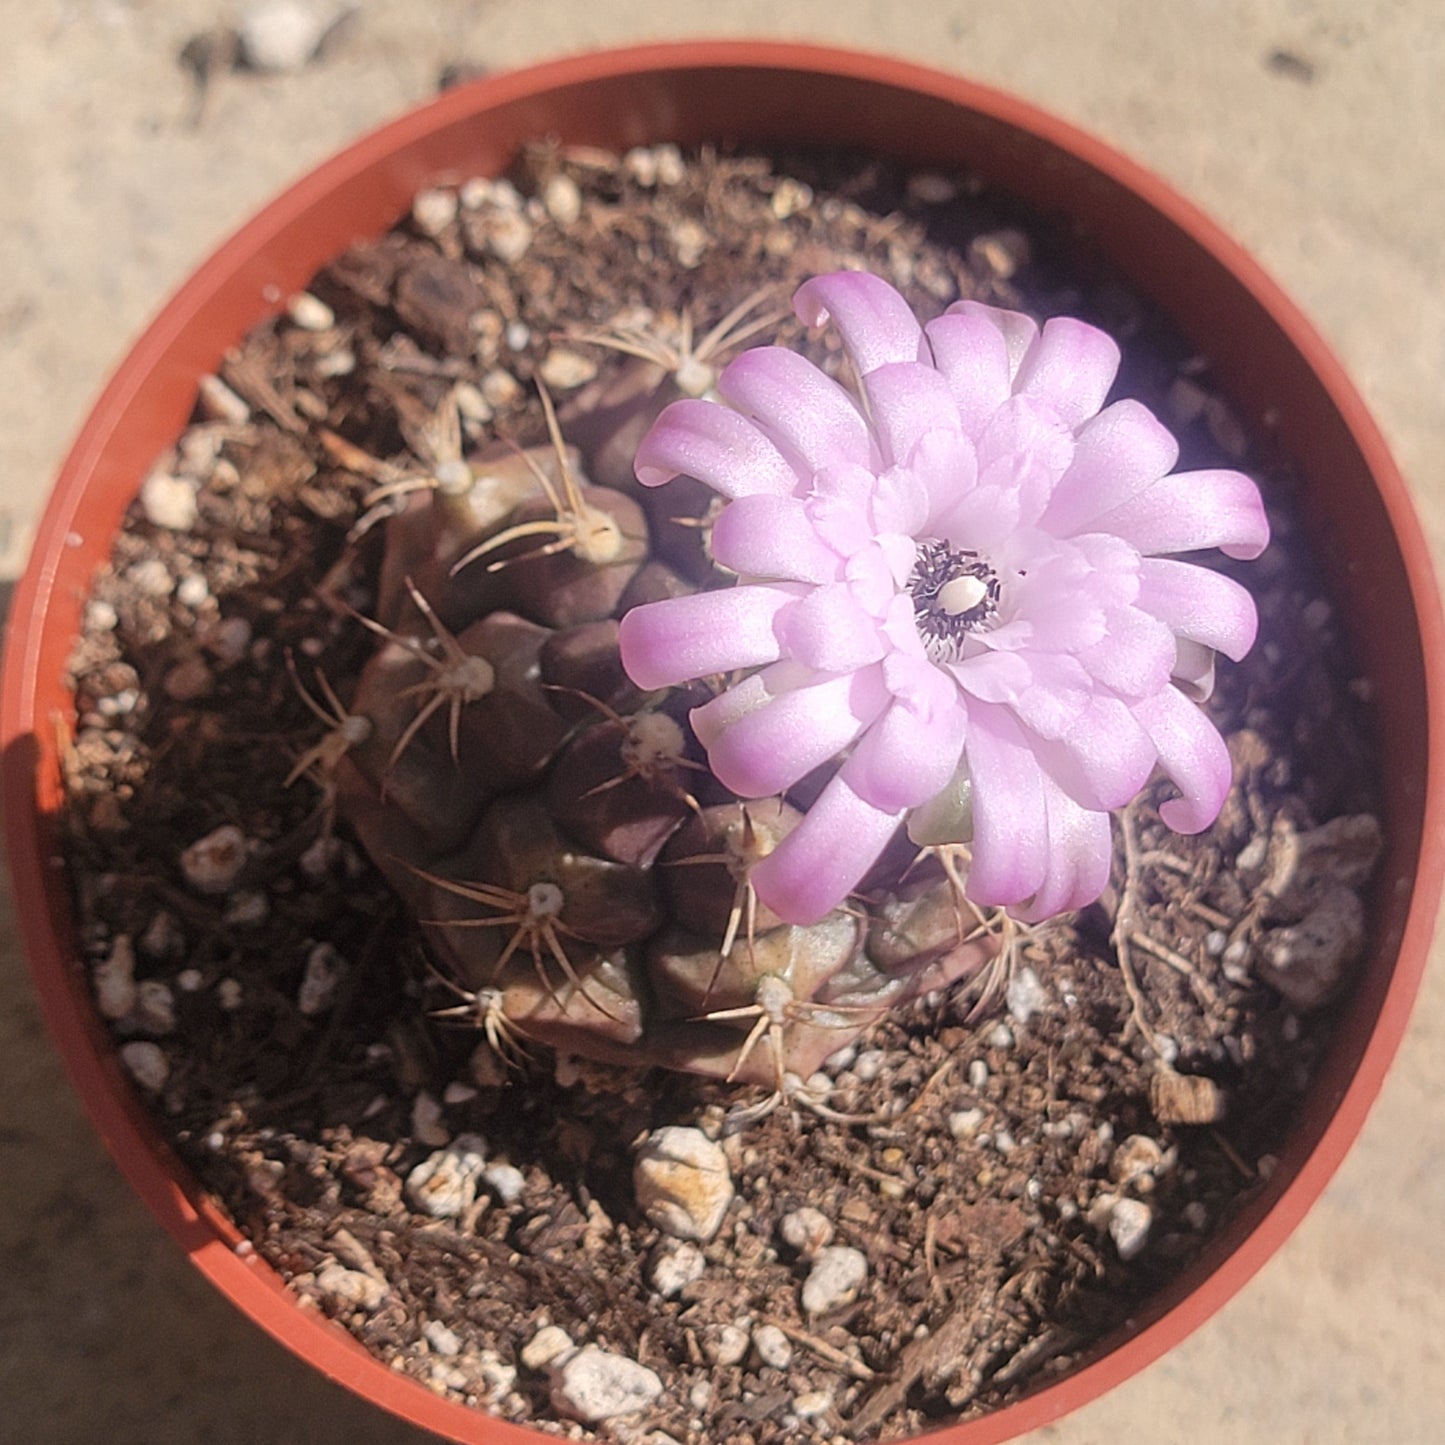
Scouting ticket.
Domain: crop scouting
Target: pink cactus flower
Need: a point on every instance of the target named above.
(958, 584)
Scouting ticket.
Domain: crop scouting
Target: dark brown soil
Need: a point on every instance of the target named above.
(974, 1147)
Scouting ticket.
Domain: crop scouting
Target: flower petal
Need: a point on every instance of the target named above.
(664, 643)
(877, 325)
(743, 697)
(972, 355)
(701, 439)
(793, 732)
(1117, 454)
(1019, 332)
(1189, 511)
(829, 630)
(1010, 825)
(808, 416)
(1081, 850)
(1070, 368)
(1136, 655)
(907, 399)
(1105, 757)
(1199, 603)
(1192, 753)
(906, 756)
(821, 861)
(771, 536)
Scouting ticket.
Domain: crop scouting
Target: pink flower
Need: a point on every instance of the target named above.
(959, 585)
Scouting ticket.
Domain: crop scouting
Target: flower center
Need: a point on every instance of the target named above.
(955, 592)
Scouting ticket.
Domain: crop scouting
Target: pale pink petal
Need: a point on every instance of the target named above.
(1104, 758)
(1070, 368)
(743, 697)
(1010, 825)
(725, 451)
(1117, 454)
(839, 505)
(1024, 449)
(1192, 753)
(906, 757)
(1193, 672)
(822, 860)
(810, 418)
(877, 325)
(971, 353)
(1136, 655)
(906, 400)
(1190, 511)
(1080, 854)
(1019, 332)
(770, 536)
(664, 643)
(770, 748)
(830, 631)
(1199, 603)
(946, 464)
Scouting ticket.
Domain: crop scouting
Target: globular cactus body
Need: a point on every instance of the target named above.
(581, 877)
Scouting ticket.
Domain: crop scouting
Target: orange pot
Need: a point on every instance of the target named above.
(1269, 362)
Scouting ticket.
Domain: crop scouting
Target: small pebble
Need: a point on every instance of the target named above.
(218, 402)
(868, 1065)
(155, 1007)
(1129, 1224)
(193, 590)
(444, 1184)
(773, 1347)
(280, 36)
(677, 1264)
(426, 1120)
(1185, 1098)
(168, 502)
(1000, 1036)
(506, 1181)
(351, 1287)
(1026, 996)
(188, 680)
(500, 388)
(434, 210)
(1215, 942)
(152, 578)
(458, 1093)
(562, 199)
(213, 863)
(325, 968)
(146, 1064)
(189, 980)
(443, 1339)
(931, 189)
(229, 995)
(508, 236)
(977, 1074)
(683, 1183)
(517, 335)
(114, 979)
(837, 1275)
(229, 639)
(247, 909)
(551, 1343)
(811, 1404)
(1308, 962)
(310, 312)
(595, 1385)
(565, 370)
(728, 1345)
(806, 1230)
(100, 616)
(965, 1123)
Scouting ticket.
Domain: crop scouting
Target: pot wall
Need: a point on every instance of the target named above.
(1269, 361)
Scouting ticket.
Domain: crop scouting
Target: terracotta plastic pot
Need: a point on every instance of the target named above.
(1269, 361)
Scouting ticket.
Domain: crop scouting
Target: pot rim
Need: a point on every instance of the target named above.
(30, 791)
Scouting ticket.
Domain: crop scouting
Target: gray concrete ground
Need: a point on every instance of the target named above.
(1329, 164)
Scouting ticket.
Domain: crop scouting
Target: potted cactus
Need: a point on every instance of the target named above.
(730, 683)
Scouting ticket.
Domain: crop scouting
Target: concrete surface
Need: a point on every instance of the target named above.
(1329, 163)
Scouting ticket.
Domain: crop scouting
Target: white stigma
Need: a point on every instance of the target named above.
(962, 594)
